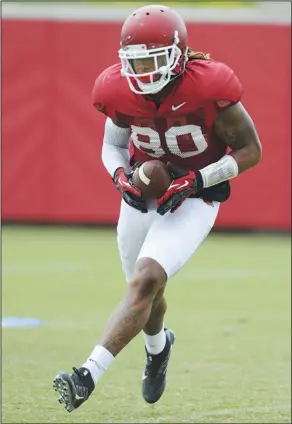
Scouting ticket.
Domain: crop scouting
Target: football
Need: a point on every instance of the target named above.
(152, 179)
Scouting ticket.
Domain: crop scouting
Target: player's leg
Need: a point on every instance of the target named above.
(132, 229)
(154, 331)
(156, 319)
(129, 250)
(173, 238)
(145, 279)
(131, 233)
(129, 318)
(158, 343)
(154, 334)
(171, 241)
(133, 313)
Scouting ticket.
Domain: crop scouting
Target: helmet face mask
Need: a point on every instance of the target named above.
(153, 48)
(160, 62)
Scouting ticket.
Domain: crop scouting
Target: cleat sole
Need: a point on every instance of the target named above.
(63, 388)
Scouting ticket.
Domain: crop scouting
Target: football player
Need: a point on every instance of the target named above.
(164, 101)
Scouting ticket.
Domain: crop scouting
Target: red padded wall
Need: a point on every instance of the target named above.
(52, 136)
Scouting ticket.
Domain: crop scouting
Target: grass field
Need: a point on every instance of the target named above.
(229, 307)
(175, 3)
(169, 3)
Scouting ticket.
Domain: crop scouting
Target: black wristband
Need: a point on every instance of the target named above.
(199, 181)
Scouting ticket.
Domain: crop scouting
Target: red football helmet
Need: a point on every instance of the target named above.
(153, 48)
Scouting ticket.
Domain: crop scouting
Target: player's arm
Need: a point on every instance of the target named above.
(235, 127)
(115, 157)
(115, 148)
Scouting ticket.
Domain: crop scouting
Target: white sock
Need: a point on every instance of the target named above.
(98, 362)
(155, 344)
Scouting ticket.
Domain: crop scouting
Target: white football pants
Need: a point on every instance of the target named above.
(170, 239)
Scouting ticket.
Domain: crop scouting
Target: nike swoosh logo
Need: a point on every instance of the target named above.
(173, 185)
(124, 183)
(179, 186)
(79, 397)
(174, 108)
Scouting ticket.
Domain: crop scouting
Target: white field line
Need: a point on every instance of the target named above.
(248, 410)
(274, 12)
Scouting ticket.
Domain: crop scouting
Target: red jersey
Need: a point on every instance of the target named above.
(180, 128)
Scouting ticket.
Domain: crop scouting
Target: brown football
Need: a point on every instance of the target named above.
(152, 179)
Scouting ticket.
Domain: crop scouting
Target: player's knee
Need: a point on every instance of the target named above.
(149, 277)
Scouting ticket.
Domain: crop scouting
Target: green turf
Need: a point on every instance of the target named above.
(229, 307)
(142, 3)
(174, 3)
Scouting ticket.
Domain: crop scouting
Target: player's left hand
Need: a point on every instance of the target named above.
(183, 185)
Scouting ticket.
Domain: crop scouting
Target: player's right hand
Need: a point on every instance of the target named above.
(131, 195)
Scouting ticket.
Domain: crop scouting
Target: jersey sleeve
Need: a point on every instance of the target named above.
(225, 88)
(108, 90)
(99, 99)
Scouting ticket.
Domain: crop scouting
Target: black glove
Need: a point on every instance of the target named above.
(131, 195)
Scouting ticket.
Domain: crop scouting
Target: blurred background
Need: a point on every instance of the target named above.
(52, 135)
(230, 305)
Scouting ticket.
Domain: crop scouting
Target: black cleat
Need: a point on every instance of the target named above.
(74, 389)
(154, 377)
